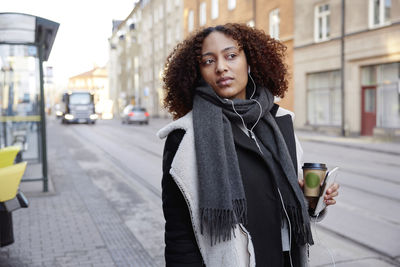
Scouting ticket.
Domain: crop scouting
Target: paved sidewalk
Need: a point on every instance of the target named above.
(363, 142)
(75, 225)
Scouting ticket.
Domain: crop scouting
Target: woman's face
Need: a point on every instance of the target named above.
(224, 66)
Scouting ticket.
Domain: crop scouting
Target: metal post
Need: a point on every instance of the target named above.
(342, 63)
(154, 95)
(4, 113)
(43, 121)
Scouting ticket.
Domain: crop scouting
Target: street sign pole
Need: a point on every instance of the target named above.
(342, 63)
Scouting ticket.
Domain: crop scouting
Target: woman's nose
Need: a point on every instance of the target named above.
(221, 66)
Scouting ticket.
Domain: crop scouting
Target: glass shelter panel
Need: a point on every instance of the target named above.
(20, 101)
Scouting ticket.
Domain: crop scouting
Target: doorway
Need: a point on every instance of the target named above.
(368, 110)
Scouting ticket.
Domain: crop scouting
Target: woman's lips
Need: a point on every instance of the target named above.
(224, 81)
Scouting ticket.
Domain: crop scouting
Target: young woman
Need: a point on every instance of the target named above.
(231, 194)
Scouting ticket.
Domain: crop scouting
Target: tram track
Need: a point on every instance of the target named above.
(383, 255)
(126, 138)
(130, 173)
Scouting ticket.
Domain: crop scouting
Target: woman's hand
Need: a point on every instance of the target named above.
(331, 193)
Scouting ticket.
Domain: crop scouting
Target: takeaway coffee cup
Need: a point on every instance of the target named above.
(314, 175)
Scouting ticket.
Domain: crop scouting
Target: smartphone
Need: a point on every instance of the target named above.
(329, 180)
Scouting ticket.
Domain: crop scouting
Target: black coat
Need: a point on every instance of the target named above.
(181, 248)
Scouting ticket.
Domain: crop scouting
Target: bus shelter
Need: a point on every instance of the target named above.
(25, 43)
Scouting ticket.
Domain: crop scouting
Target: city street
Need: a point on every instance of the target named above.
(105, 205)
(94, 190)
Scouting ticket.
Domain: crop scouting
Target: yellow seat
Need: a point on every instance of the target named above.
(7, 155)
(10, 177)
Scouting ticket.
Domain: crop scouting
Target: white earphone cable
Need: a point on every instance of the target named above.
(320, 242)
(254, 85)
(251, 98)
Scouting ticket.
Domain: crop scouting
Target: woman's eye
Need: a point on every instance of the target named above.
(208, 61)
(230, 56)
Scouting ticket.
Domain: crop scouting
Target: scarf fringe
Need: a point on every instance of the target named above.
(220, 223)
(301, 231)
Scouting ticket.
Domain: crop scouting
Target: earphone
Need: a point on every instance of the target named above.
(251, 98)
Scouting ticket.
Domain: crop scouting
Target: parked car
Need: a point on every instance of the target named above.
(135, 114)
(58, 111)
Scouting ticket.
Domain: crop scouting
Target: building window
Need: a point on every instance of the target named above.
(155, 15)
(324, 98)
(203, 14)
(231, 4)
(169, 35)
(274, 21)
(386, 79)
(161, 11)
(136, 82)
(379, 13)
(214, 9)
(178, 33)
(155, 43)
(169, 6)
(322, 23)
(161, 41)
(191, 21)
(136, 63)
(129, 85)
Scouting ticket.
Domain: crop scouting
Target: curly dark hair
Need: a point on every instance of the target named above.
(264, 55)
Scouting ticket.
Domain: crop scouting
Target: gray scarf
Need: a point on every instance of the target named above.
(222, 197)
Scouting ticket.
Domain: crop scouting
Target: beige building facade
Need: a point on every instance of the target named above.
(138, 49)
(205, 13)
(123, 62)
(371, 66)
(274, 17)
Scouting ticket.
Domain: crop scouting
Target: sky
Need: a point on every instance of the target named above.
(82, 38)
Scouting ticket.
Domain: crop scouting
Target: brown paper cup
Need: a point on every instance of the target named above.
(312, 182)
(314, 175)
